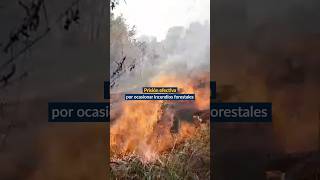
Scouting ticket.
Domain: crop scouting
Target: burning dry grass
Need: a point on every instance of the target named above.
(144, 127)
(151, 140)
(188, 160)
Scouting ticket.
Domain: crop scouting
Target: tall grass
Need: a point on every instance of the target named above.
(189, 160)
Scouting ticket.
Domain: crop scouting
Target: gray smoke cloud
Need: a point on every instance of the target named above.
(183, 51)
(268, 51)
(63, 66)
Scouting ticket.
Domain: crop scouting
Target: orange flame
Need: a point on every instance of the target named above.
(141, 130)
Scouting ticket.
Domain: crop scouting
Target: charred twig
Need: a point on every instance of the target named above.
(132, 66)
(5, 78)
(17, 79)
(22, 51)
(71, 16)
(30, 24)
(119, 67)
(22, 31)
(114, 3)
(116, 73)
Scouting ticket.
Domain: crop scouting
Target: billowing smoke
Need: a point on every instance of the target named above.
(182, 60)
(288, 66)
(183, 51)
(62, 61)
(279, 63)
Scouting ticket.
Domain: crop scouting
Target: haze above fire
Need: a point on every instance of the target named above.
(154, 18)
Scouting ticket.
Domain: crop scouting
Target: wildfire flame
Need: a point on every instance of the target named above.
(143, 127)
